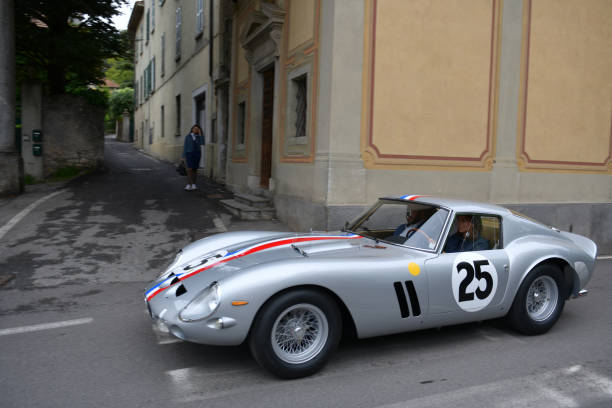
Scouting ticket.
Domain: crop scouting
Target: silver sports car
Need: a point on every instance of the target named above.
(408, 263)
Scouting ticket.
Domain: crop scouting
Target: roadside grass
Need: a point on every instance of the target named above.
(62, 174)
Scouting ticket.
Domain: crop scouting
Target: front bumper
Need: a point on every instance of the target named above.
(218, 329)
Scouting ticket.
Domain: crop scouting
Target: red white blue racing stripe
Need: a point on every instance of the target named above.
(174, 279)
(411, 197)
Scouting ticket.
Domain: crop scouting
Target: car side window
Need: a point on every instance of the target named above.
(474, 232)
(491, 230)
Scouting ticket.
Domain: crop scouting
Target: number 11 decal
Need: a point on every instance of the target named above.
(474, 281)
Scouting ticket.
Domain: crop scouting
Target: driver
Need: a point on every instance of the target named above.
(414, 220)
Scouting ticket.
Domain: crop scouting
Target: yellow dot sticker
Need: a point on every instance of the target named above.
(414, 269)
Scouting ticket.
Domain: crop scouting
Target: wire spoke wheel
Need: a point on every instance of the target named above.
(542, 297)
(299, 333)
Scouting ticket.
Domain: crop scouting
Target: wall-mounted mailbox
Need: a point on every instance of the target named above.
(37, 149)
(37, 136)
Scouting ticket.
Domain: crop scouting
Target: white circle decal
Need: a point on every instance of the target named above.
(474, 281)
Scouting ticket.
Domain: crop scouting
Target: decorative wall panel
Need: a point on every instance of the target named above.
(430, 83)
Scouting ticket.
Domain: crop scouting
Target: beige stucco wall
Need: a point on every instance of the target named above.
(567, 85)
(489, 100)
(431, 79)
(570, 62)
(301, 22)
(183, 77)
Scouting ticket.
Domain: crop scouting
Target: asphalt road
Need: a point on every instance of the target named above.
(74, 331)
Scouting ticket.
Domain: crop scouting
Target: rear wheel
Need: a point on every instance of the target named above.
(539, 300)
(295, 333)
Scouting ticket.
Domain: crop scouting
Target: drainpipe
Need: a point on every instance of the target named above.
(211, 41)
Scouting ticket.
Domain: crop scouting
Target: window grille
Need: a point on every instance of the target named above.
(178, 115)
(241, 122)
(153, 75)
(179, 17)
(301, 105)
(163, 121)
(148, 23)
(199, 16)
(163, 54)
(153, 16)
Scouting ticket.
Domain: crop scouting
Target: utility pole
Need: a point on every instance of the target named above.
(11, 168)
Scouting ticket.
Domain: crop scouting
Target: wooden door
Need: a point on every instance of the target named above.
(266, 127)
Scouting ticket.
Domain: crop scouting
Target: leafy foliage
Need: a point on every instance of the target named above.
(119, 101)
(121, 69)
(65, 43)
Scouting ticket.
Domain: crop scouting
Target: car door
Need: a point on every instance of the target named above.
(470, 284)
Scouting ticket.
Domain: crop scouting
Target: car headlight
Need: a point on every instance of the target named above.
(203, 305)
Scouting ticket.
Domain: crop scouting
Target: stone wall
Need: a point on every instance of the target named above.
(73, 133)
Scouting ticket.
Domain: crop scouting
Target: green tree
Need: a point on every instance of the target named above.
(121, 69)
(65, 43)
(119, 101)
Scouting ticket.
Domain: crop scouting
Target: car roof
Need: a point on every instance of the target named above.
(454, 204)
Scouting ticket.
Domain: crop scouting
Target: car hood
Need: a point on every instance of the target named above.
(231, 251)
(214, 257)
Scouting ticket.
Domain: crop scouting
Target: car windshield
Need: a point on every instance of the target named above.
(414, 225)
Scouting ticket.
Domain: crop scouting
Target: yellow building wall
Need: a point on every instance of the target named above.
(243, 66)
(430, 83)
(566, 101)
(301, 22)
(300, 48)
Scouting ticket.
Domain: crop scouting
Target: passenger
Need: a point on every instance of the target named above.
(467, 237)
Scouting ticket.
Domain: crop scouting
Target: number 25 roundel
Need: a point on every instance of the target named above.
(474, 281)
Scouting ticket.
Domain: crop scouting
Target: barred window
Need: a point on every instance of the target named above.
(301, 105)
(179, 22)
(153, 16)
(178, 115)
(163, 54)
(148, 24)
(163, 121)
(241, 123)
(153, 75)
(199, 17)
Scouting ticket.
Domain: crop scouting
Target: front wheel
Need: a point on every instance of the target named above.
(539, 301)
(295, 333)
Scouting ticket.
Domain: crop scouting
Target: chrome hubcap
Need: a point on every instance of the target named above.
(299, 333)
(542, 298)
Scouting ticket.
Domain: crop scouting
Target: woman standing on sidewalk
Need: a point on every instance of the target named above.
(191, 155)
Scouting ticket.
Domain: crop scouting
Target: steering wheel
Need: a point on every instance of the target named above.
(431, 241)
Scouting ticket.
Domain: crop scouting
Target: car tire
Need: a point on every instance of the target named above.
(294, 333)
(539, 301)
